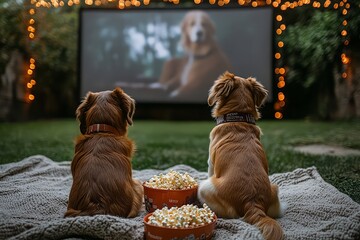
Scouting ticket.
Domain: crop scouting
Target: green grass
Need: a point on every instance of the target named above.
(162, 144)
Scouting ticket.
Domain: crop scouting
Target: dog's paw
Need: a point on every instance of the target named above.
(283, 208)
(157, 85)
(174, 93)
(277, 210)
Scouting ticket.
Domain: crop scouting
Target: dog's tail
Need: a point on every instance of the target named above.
(72, 213)
(88, 212)
(269, 227)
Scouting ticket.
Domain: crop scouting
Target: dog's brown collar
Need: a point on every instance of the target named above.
(235, 117)
(200, 56)
(95, 128)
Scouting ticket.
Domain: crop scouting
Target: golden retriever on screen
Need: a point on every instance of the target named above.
(190, 76)
(238, 183)
(101, 167)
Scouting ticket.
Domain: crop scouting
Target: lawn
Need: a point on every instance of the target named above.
(162, 144)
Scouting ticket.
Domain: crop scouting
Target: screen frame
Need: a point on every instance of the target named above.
(144, 109)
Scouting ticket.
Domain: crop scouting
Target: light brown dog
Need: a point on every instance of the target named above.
(101, 167)
(238, 183)
(189, 77)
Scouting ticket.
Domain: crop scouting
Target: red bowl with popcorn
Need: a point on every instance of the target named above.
(186, 222)
(173, 189)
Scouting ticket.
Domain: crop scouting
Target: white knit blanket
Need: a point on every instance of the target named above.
(34, 193)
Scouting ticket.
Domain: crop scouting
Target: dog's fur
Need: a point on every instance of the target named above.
(193, 74)
(101, 167)
(238, 183)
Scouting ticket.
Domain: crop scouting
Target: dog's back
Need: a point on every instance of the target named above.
(101, 178)
(101, 167)
(240, 163)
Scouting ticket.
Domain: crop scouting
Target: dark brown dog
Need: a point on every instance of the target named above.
(101, 167)
(238, 183)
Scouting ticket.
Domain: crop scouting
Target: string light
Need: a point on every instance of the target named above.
(345, 60)
(32, 63)
(280, 71)
(343, 6)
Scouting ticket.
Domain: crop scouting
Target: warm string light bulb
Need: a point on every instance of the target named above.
(275, 4)
(278, 115)
(121, 4)
(345, 59)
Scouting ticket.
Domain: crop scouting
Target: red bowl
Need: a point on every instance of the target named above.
(158, 198)
(165, 233)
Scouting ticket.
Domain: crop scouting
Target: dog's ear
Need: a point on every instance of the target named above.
(82, 110)
(259, 92)
(185, 39)
(126, 104)
(221, 88)
(210, 24)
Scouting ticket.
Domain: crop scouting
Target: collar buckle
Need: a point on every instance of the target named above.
(99, 127)
(235, 117)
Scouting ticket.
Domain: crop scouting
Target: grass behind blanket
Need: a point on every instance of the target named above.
(162, 144)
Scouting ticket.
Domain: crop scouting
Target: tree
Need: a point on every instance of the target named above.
(55, 51)
(13, 49)
(313, 47)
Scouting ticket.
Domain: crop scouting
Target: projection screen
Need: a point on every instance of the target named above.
(147, 51)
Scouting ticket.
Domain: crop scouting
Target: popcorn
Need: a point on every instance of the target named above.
(183, 217)
(171, 181)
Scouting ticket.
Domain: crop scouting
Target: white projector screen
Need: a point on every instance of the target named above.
(143, 52)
